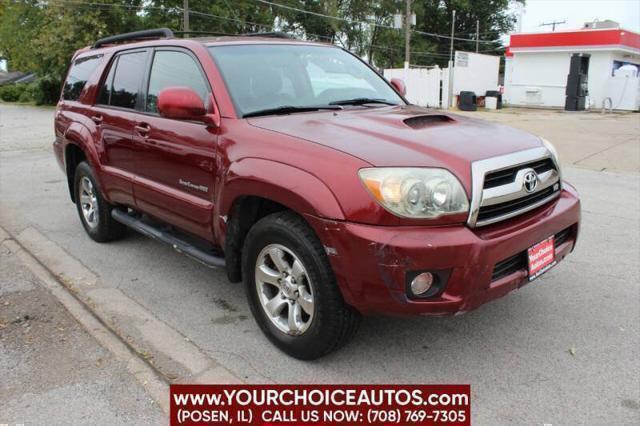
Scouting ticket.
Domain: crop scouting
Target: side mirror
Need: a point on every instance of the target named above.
(399, 85)
(183, 103)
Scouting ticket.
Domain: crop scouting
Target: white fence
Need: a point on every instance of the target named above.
(427, 87)
(474, 72)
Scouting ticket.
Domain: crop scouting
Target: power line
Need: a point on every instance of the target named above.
(192, 12)
(413, 52)
(247, 23)
(308, 12)
(178, 10)
(117, 5)
(224, 18)
(232, 10)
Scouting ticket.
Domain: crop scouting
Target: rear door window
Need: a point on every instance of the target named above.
(174, 69)
(122, 85)
(79, 73)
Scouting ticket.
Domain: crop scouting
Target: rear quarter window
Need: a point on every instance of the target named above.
(79, 73)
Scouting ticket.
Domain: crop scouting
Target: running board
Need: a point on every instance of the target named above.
(177, 243)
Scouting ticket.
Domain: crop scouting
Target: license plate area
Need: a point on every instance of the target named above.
(541, 257)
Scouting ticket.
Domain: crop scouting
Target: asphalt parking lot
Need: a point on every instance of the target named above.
(562, 350)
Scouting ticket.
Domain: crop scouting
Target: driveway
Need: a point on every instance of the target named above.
(563, 349)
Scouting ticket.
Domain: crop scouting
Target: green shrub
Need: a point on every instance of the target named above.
(44, 91)
(47, 91)
(11, 92)
(28, 94)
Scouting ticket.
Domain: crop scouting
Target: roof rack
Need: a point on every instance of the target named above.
(210, 33)
(274, 34)
(136, 35)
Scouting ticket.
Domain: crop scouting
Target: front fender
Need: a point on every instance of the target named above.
(294, 188)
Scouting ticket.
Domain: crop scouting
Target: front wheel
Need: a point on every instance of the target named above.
(292, 290)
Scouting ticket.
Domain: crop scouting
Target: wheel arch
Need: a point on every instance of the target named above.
(255, 188)
(78, 148)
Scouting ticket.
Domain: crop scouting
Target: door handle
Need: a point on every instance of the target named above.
(97, 119)
(143, 129)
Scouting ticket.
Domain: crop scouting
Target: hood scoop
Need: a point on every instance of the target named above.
(424, 121)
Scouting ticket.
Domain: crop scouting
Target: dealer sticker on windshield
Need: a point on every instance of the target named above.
(542, 257)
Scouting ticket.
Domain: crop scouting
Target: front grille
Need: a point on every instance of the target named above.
(518, 262)
(501, 185)
(506, 176)
(496, 210)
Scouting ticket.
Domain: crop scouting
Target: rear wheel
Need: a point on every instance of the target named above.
(292, 290)
(93, 209)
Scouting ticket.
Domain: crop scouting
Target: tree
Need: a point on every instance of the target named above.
(41, 35)
(18, 26)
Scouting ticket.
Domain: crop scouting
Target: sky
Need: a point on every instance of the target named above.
(577, 12)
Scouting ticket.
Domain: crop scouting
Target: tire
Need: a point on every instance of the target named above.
(325, 324)
(103, 227)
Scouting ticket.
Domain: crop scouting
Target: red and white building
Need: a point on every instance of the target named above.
(537, 65)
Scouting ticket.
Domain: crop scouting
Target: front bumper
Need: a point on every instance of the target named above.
(371, 262)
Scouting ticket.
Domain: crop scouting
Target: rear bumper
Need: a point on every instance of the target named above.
(371, 262)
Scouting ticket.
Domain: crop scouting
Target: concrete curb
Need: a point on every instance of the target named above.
(155, 354)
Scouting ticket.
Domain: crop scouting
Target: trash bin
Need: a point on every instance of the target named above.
(467, 101)
(490, 102)
(495, 94)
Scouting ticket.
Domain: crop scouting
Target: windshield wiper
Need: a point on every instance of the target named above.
(362, 101)
(288, 109)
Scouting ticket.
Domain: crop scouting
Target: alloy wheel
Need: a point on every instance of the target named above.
(284, 289)
(89, 202)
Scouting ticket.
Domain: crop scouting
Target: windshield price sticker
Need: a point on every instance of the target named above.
(320, 404)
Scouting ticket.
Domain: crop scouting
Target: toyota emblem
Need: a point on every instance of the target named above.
(530, 181)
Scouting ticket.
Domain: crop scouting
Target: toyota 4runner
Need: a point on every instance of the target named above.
(309, 177)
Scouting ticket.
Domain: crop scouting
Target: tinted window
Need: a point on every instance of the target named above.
(107, 84)
(126, 81)
(79, 73)
(171, 68)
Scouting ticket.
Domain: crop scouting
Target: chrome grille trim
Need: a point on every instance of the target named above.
(481, 197)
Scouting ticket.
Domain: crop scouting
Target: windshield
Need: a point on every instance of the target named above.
(265, 78)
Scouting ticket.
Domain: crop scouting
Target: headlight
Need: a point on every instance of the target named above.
(416, 192)
(552, 149)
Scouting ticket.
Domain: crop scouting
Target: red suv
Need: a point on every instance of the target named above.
(309, 177)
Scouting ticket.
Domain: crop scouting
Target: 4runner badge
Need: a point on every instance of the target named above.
(188, 184)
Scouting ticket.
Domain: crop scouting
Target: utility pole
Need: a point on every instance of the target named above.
(477, 35)
(453, 25)
(407, 35)
(553, 24)
(450, 91)
(185, 18)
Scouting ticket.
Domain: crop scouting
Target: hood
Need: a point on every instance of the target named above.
(404, 136)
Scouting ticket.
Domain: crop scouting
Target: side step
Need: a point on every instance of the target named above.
(178, 244)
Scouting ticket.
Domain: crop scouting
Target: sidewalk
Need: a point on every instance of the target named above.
(53, 371)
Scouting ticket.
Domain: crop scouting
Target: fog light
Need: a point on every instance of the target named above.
(422, 283)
